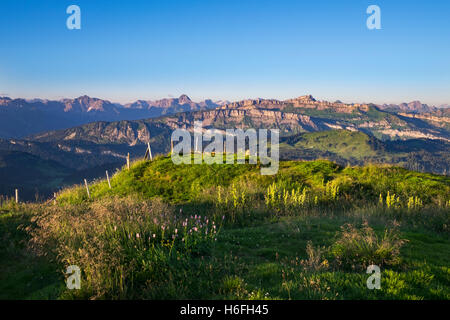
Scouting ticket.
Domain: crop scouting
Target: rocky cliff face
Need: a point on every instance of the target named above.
(306, 101)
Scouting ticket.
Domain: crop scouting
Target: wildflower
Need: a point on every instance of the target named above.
(154, 235)
(195, 229)
(176, 231)
(137, 235)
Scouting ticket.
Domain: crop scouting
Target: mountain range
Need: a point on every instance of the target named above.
(20, 118)
(302, 114)
(417, 138)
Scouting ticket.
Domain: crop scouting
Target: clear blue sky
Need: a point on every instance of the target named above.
(128, 50)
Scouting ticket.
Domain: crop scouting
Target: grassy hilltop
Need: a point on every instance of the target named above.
(226, 232)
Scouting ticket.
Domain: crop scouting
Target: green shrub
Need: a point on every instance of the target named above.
(357, 248)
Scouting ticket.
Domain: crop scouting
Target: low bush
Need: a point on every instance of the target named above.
(357, 248)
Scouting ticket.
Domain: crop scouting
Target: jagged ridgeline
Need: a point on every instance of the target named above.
(303, 114)
(20, 117)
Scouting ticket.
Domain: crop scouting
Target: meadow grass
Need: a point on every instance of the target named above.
(226, 232)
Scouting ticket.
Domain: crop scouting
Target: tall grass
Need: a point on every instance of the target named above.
(357, 248)
(123, 246)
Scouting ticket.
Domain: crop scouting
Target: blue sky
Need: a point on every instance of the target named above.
(128, 50)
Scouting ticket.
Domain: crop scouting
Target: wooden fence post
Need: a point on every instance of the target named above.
(150, 151)
(107, 177)
(128, 161)
(87, 188)
(17, 196)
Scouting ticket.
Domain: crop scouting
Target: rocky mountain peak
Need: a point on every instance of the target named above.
(306, 98)
(4, 100)
(184, 99)
(85, 104)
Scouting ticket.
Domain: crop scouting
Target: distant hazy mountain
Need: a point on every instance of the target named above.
(20, 117)
(172, 105)
(411, 107)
